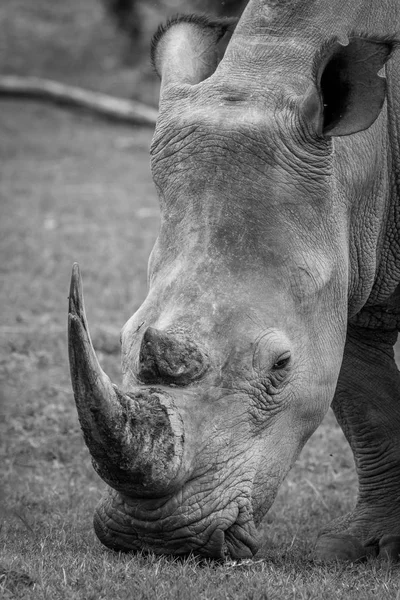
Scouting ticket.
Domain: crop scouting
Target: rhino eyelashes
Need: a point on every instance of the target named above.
(281, 363)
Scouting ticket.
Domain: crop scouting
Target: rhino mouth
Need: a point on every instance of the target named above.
(124, 524)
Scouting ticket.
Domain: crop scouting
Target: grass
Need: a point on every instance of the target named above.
(73, 188)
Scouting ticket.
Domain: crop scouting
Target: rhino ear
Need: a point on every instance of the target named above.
(349, 93)
(186, 49)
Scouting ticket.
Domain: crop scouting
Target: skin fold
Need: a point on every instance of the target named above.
(272, 284)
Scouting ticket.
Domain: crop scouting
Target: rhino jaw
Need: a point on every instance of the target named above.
(163, 527)
(135, 439)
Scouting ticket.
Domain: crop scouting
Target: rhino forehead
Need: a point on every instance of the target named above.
(211, 149)
(237, 141)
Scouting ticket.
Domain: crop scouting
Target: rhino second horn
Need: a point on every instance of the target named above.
(135, 439)
(170, 358)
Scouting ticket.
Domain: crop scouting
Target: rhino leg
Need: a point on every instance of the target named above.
(367, 407)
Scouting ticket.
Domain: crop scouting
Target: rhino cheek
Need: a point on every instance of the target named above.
(283, 439)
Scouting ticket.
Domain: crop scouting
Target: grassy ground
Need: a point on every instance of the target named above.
(73, 188)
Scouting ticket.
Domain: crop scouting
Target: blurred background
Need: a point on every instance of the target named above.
(102, 44)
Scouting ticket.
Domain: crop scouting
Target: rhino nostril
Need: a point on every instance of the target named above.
(170, 358)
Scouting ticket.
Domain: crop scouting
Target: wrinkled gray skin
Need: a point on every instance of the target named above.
(271, 285)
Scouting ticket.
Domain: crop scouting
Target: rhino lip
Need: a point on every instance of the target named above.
(241, 543)
(224, 545)
(124, 524)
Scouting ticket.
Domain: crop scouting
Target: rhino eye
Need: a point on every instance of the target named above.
(282, 362)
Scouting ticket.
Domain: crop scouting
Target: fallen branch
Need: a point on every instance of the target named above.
(117, 109)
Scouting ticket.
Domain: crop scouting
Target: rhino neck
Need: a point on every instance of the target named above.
(316, 20)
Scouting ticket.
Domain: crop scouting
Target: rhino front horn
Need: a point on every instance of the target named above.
(135, 439)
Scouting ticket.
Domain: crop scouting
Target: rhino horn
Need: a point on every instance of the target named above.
(169, 358)
(135, 439)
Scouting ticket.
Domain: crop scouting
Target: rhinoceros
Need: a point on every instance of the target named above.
(273, 284)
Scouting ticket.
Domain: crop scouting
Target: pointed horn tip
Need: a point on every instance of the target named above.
(75, 268)
(75, 298)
